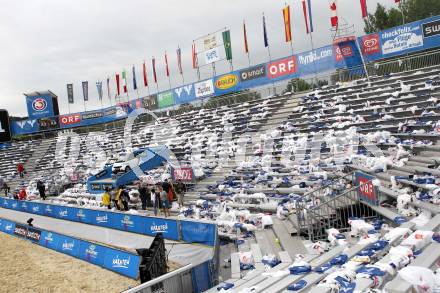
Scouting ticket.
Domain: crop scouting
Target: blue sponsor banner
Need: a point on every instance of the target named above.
(49, 210)
(126, 264)
(83, 216)
(15, 205)
(317, 61)
(68, 245)
(64, 213)
(92, 253)
(184, 94)
(126, 222)
(168, 228)
(50, 240)
(8, 227)
(36, 208)
(24, 206)
(102, 218)
(2, 201)
(40, 106)
(24, 126)
(195, 232)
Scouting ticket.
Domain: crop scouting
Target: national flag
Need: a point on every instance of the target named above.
(118, 87)
(99, 89)
(134, 78)
(154, 70)
(334, 13)
(85, 87)
(287, 26)
(304, 6)
(396, 1)
(266, 40)
(364, 8)
(194, 56)
(144, 71)
(227, 44)
(124, 80)
(70, 93)
(108, 88)
(309, 6)
(179, 60)
(246, 48)
(167, 69)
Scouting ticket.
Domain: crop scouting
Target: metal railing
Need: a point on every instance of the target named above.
(334, 212)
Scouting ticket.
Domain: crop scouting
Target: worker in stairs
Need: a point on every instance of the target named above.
(20, 170)
(41, 189)
(106, 198)
(22, 195)
(180, 190)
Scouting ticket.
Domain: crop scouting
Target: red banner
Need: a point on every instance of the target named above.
(70, 119)
(370, 44)
(282, 67)
(183, 174)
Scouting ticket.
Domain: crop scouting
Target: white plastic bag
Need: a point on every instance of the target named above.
(422, 279)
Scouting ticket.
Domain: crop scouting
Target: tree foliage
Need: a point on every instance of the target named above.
(413, 10)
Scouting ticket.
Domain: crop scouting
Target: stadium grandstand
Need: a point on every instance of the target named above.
(314, 172)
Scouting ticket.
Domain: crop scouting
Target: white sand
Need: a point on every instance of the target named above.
(27, 267)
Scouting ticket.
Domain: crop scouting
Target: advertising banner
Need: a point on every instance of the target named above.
(319, 60)
(227, 82)
(49, 123)
(24, 126)
(50, 240)
(8, 227)
(283, 67)
(92, 253)
(168, 228)
(212, 55)
(204, 88)
(5, 130)
(70, 93)
(71, 119)
(121, 262)
(185, 175)
(401, 39)
(195, 232)
(33, 234)
(68, 245)
(165, 99)
(366, 190)
(20, 230)
(184, 94)
(128, 223)
(150, 102)
(252, 73)
(39, 106)
(92, 115)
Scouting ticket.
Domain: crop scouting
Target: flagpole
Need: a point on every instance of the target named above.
(401, 10)
(169, 81)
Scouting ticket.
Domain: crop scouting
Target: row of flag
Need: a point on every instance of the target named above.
(121, 79)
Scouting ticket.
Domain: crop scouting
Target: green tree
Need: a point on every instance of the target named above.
(413, 10)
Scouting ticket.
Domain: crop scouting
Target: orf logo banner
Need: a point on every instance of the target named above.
(282, 67)
(370, 44)
(365, 189)
(70, 119)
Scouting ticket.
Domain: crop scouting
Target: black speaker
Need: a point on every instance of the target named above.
(5, 131)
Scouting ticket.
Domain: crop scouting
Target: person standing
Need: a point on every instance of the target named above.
(41, 189)
(20, 170)
(106, 198)
(165, 201)
(125, 199)
(180, 190)
(117, 199)
(6, 189)
(157, 202)
(22, 195)
(144, 193)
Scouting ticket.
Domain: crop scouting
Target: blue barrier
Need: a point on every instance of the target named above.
(118, 261)
(194, 232)
(204, 233)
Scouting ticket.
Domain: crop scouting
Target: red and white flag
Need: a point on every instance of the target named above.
(334, 13)
(364, 8)
(396, 1)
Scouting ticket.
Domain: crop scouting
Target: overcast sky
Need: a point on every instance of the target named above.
(48, 43)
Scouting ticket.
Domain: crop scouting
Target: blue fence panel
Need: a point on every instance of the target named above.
(49, 211)
(194, 232)
(8, 227)
(102, 218)
(169, 228)
(127, 222)
(200, 277)
(124, 263)
(68, 245)
(92, 253)
(50, 240)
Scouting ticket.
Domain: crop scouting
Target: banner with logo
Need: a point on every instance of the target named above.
(40, 106)
(366, 191)
(185, 175)
(24, 126)
(169, 228)
(124, 263)
(212, 55)
(49, 123)
(165, 99)
(184, 94)
(226, 83)
(92, 252)
(196, 232)
(204, 89)
(7, 227)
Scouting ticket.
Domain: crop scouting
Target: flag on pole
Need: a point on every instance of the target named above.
(334, 15)
(167, 69)
(179, 60)
(364, 8)
(118, 86)
(144, 71)
(194, 56)
(309, 8)
(70, 93)
(287, 26)
(154, 70)
(396, 1)
(266, 40)
(124, 80)
(227, 44)
(246, 48)
(99, 89)
(134, 78)
(85, 87)
(304, 6)
(108, 88)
